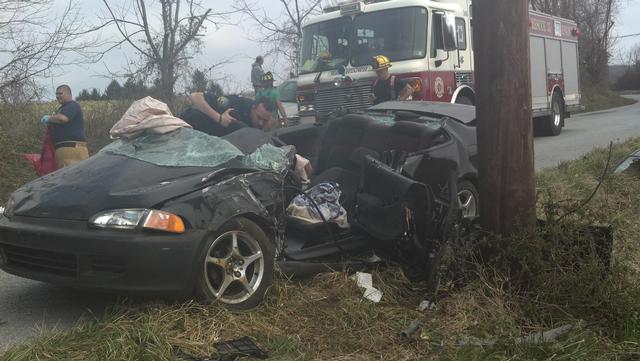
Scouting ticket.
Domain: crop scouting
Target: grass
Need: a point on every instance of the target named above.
(595, 98)
(326, 318)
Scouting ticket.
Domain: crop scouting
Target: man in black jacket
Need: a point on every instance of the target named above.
(222, 115)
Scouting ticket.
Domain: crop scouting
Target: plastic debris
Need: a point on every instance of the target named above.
(533, 339)
(426, 305)
(365, 280)
(230, 350)
(409, 332)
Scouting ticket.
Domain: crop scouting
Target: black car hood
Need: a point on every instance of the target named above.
(105, 181)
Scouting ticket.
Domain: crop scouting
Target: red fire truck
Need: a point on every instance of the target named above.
(429, 43)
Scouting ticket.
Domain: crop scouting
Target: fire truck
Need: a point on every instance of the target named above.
(430, 44)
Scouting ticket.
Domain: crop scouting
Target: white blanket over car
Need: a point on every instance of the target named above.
(146, 115)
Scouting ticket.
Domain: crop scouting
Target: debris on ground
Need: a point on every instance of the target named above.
(533, 339)
(228, 351)
(365, 280)
(409, 332)
(244, 347)
(631, 164)
(426, 305)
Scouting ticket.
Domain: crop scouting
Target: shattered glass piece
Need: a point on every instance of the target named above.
(270, 157)
(190, 148)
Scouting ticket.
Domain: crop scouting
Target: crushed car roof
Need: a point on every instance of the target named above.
(464, 113)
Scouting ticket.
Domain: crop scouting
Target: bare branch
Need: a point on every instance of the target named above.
(168, 44)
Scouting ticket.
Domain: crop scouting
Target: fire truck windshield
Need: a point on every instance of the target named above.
(325, 45)
(400, 34)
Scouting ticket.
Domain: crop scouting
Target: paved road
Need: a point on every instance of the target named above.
(583, 132)
(26, 306)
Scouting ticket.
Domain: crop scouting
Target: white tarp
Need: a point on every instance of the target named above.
(146, 115)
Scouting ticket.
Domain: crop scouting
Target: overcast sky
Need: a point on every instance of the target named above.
(231, 43)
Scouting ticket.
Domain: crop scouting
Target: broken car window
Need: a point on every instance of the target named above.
(190, 148)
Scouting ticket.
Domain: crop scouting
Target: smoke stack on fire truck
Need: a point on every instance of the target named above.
(430, 44)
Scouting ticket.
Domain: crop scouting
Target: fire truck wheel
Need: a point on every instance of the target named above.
(464, 100)
(552, 125)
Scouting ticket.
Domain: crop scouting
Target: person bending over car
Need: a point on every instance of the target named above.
(67, 129)
(222, 115)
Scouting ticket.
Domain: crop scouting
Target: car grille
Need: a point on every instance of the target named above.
(107, 266)
(464, 78)
(57, 263)
(345, 97)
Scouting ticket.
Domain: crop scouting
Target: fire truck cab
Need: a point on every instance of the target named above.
(430, 44)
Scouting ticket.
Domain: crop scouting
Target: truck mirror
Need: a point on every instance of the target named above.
(449, 35)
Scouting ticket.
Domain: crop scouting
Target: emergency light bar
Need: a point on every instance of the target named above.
(351, 8)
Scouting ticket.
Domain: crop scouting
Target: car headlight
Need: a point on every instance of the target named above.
(133, 218)
(1, 210)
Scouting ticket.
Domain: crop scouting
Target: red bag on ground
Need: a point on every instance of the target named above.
(45, 162)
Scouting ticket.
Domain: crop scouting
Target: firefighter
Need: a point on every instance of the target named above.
(270, 92)
(386, 86)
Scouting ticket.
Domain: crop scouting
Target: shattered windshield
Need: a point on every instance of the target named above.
(190, 148)
(325, 45)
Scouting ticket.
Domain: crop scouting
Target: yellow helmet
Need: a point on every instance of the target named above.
(380, 62)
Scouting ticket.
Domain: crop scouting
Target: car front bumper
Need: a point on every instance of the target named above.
(70, 253)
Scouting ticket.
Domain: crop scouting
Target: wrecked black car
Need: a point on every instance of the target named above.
(186, 213)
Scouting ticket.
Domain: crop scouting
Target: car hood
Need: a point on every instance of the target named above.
(104, 181)
(145, 172)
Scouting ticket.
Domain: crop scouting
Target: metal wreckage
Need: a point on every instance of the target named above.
(184, 212)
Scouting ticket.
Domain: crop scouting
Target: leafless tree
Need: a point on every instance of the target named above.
(164, 46)
(279, 31)
(33, 45)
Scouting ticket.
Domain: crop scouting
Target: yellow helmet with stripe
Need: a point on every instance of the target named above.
(380, 62)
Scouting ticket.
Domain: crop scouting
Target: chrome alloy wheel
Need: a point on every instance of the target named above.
(557, 117)
(234, 267)
(468, 204)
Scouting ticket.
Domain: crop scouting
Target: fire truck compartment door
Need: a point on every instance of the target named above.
(539, 94)
(570, 67)
(554, 57)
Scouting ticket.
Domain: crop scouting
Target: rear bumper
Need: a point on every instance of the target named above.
(70, 253)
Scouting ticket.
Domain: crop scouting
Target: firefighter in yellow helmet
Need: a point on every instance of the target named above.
(386, 86)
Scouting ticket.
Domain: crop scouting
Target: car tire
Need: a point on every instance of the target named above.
(468, 200)
(552, 124)
(236, 267)
(464, 100)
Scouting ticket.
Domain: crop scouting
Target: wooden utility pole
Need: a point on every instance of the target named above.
(505, 139)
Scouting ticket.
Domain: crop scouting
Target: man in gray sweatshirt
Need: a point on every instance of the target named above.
(256, 74)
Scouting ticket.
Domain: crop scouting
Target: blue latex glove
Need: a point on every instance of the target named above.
(45, 119)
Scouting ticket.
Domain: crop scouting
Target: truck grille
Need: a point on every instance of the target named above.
(464, 78)
(345, 97)
(57, 263)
